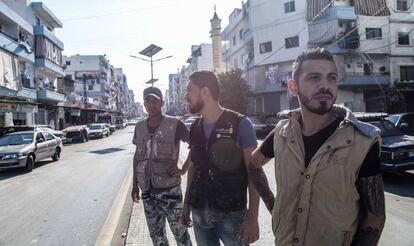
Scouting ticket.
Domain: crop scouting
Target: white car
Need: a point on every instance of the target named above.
(98, 131)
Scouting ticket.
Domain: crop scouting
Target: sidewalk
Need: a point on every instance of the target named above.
(138, 234)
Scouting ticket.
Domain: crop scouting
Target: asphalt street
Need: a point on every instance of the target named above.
(67, 202)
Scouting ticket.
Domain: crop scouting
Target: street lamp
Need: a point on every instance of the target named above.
(150, 51)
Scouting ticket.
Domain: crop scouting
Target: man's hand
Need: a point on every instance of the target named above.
(250, 229)
(173, 170)
(185, 216)
(135, 194)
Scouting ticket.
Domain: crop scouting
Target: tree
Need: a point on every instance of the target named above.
(234, 91)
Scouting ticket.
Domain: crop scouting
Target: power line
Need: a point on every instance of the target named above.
(114, 13)
(365, 51)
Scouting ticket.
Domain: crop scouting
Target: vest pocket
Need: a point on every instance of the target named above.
(164, 150)
(340, 238)
(142, 175)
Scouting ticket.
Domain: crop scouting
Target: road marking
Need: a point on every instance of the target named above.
(109, 227)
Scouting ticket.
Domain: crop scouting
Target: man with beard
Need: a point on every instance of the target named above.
(221, 143)
(327, 165)
(157, 140)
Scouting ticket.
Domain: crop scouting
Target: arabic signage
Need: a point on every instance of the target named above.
(17, 108)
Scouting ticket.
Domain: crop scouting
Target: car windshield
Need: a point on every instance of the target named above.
(393, 118)
(95, 127)
(119, 121)
(387, 128)
(16, 139)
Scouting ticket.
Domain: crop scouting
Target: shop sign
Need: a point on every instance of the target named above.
(17, 108)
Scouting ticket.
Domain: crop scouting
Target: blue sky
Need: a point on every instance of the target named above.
(124, 27)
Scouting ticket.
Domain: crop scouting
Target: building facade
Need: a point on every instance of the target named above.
(32, 64)
(371, 42)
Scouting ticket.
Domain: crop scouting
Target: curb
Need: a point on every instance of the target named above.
(108, 230)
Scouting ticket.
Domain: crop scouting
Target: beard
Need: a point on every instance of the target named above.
(197, 107)
(323, 107)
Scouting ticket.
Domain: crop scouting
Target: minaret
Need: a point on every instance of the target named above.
(215, 35)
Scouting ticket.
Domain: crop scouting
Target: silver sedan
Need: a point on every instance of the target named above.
(25, 148)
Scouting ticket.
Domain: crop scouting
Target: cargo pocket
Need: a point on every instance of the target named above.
(141, 172)
(164, 150)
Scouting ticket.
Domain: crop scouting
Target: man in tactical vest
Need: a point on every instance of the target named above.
(157, 141)
(327, 165)
(221, 143)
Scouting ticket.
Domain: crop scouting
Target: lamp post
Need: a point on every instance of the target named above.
(150, 51)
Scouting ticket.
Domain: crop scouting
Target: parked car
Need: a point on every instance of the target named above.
(112, 128)
(57, 133)
(121, 123)
(397, 148)
(98, 131)
(48, 128)
(403, 121)
(77, 133)
(132, 122)
(25, 148)
(260, 127)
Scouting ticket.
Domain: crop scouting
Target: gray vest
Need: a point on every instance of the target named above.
(156, 153)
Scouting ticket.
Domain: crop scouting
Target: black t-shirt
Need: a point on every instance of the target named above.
(371, 165)
(181, 133)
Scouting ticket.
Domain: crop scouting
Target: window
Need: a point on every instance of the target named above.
(402, 5)
(265, 47)
(37, 21)
(234, 40)
(292, 42)
(241, 34)
(48, 136)
(68, 63)
(406, 73)
(39, 138)
(373, 33)
(403, 38)
(289, 7)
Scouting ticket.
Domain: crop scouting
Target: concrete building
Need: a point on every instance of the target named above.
(202, 58)
(171, 95)
(30, 68)
(238, 39)
(372, 47)
(95, 81)
(372, 43)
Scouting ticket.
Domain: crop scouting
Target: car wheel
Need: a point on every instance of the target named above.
(107, 135)
(29, 163)
(56, 155)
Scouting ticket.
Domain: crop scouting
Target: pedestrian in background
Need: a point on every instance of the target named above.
(327, 165)
(221, 143)
(157, 140)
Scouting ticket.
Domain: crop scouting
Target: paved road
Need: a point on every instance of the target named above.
(65, 202)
